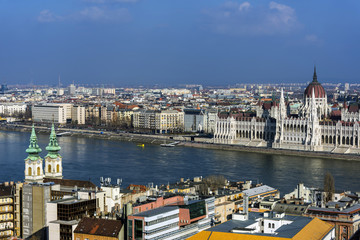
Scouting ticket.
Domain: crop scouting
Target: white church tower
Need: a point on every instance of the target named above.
(33, 163)
(53, 160)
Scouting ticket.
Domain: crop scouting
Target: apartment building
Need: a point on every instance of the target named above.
(9, 109)
(165, 121)
(99, 229)
(7, 210)
(172, 221)
(78, 115)
(64, 215)
(35, 197)
(51, 112)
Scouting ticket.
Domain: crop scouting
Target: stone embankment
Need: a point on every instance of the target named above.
(185, 140)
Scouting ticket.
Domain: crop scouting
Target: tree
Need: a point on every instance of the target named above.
(212, 183)
(329, 187)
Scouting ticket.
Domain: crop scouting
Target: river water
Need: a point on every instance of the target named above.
(87, 158)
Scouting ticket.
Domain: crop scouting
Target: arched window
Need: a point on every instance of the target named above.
(269, 225)
(38, 171)
(273, 225)
(49, 168)
(29, 171)
(58, 168)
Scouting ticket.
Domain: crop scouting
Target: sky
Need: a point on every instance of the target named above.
(171, 42)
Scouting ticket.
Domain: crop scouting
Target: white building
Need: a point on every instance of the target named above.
(9, 109)
(78, 115)
(165, 121)
(52, 112)
(112, 196)
(311, 130)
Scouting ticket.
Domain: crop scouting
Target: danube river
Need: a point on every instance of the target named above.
(87, 158)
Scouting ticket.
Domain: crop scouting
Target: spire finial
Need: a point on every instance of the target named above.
(53, 148)
(33, 148)
(315, 76)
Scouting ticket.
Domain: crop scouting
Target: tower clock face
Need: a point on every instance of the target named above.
(38, 162)
(29, 162)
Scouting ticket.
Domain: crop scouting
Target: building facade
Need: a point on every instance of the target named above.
(7, 210)
(310, 130)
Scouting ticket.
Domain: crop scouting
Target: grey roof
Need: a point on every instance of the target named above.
(290, 230)
(285, 231)
(156, 211)
(345, 199)
(355, 207)
(258, 190)
(290, 208)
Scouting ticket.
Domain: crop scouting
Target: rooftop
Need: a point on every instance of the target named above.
(99, 227)
(156, 211)
(300, 228)
(258, 190)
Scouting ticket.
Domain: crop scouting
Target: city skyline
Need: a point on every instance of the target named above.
(146, 42)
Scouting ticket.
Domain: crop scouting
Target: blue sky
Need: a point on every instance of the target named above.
(210, 42)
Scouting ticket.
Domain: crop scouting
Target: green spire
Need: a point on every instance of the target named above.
(53, 148)
(33, 149)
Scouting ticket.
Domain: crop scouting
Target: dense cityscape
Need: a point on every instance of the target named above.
(181, 119)
(46, 206)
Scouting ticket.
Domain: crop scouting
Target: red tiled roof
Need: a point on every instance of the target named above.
(319, 91)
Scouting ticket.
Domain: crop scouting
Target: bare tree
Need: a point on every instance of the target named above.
(329, 187)
(212, 183)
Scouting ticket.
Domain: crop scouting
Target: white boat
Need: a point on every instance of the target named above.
(173, 144)
(167, 145)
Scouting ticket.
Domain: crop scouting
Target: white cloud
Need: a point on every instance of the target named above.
(103, 14)
(47, 16)
(88, 14)
(111, 1)
(244, 6)
(246, 19)
(283, 14)
(313, 39)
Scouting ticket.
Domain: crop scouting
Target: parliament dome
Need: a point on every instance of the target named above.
(319, 91)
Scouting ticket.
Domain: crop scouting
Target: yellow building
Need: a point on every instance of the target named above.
(7, 223)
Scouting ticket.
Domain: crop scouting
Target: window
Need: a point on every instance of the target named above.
(130, 230)
(138, 229)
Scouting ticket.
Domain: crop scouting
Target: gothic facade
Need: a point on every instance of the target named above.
(310, 130)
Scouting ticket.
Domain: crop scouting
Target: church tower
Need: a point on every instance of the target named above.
(53, 160)
(33, 163)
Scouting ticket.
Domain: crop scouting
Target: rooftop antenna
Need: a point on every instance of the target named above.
(59, 81)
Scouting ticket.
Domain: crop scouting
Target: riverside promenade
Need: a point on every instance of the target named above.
(184, 139)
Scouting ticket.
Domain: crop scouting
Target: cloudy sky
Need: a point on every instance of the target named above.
(211, 42)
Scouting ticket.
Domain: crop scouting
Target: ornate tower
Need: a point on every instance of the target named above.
(314, 131)
(282, 106)
(53, 160)
(33, 163)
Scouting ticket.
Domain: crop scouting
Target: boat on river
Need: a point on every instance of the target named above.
(173, 144)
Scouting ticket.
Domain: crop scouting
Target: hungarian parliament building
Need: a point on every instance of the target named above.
(311, 130)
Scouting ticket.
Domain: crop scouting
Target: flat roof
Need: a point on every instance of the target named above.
(285, 231)
(258, 190)
(156, 211)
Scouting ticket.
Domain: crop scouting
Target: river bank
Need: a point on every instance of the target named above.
(185, 140)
